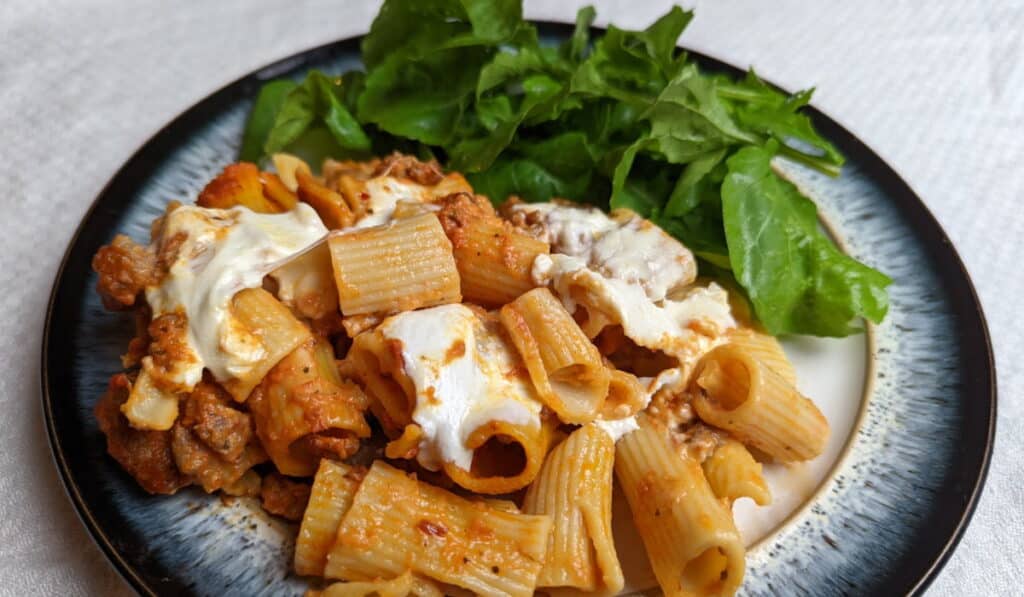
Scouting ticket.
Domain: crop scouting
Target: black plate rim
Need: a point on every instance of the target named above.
(965, 295)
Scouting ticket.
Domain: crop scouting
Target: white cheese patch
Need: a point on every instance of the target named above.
(663, 325)
(384, 193)
(622, 246)
(224, 251)
(464, 378)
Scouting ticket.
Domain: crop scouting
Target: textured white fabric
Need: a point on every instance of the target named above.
(936, 87)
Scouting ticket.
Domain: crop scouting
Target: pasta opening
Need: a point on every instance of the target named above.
(625, 396)
(726, 382)
(573, 375)
(499, 456)
(704, 574)
(624, 353)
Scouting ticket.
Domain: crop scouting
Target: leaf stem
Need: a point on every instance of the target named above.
(818, 164)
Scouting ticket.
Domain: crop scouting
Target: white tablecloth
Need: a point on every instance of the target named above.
(936, 87)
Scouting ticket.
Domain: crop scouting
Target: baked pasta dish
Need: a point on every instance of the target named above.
(442, 393)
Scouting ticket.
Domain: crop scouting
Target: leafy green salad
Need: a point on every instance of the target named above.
(622, 119)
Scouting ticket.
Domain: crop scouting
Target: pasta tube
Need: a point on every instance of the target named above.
(402, 586)
(397, 524)
(274, 330)
(564, 365)
(691, 540)
(506, 457)
(575, 489)
(737, 392)
(733, 473)
(398, 267)
(766, 349)
(493, 258)
(333, 488)
(304, 410)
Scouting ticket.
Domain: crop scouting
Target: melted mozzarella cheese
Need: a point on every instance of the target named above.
(664, 325)
(618, 428)
(384, 193)
(224, 251)
(631, 268)
(622, 246)
(463, 375)
(569, 229)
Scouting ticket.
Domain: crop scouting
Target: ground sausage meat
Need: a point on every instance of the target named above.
(208, 413)
(146, 455)
(209, 468)
(284, 497)
(408, 167)
(125, 269)
(168, 342)
(212, 441)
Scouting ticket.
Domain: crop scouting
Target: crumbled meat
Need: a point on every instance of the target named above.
(529, 222)
(168, 345)
(209, 415)
(138, 346)
(407, 166)
(212, 471)
(459, 209)
(284, 497)
(322, 445)
(697, 441)
(247, 486)
(125, 269)
(145, 455)
(672, 408)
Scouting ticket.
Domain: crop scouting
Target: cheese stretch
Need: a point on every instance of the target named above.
(222, 251)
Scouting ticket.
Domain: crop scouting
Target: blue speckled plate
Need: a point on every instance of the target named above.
(885, 519)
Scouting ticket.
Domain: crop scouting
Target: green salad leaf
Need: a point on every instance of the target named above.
(798, 281)
(623, 120)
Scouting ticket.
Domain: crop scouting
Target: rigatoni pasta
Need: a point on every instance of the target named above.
(406, 585)
(397, 524)
(303, 410)
(739, 393)
(565, 367)
(493, 258)
(272, 331)
(397, 267)
(334, 486)
(766, 349)
(575, 489)
(690, 537)
(445, 393)
(733, 473)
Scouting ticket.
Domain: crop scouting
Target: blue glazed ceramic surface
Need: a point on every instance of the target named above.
(883, 523)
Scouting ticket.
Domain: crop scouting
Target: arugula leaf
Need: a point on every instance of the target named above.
(560, 166)
(297, 112)
(476, 154)
(317, 103)
(662, 36)
(622, 121)
(633, 66)
(769, 112)
(575, 47)
(262, 118)
(796, 278)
